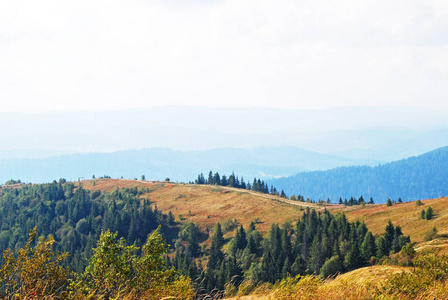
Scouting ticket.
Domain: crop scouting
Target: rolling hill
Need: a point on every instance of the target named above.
(205, 205)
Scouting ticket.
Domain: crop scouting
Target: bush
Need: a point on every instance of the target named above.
(331, 267)
(34, 272)
(115, 271)
(429, 236)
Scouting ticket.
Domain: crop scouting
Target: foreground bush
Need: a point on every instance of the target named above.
(34, 272)
(116, 271)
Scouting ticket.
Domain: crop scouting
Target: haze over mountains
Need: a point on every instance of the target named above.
(380, 134)
(181, 141)
(159, 163)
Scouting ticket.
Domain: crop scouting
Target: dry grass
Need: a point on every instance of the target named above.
(206, 205)
(407, 215)
(357, 284)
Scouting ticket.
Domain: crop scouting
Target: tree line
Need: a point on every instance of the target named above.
(257, 184)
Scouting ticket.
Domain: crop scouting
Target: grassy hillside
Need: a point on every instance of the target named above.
(407, 215)
(355, 284)
(206, 205)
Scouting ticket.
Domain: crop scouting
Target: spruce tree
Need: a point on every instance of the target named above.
(382, 248)
(389, 235)
(429, 213)
(368, 247)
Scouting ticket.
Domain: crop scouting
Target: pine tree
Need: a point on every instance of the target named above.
(389, 235)
(429, 213)
(241, 240)
(382, 248)
(368, 247)
(216, 254)
(316, 260)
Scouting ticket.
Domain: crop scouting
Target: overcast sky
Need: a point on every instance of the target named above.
(72, 55)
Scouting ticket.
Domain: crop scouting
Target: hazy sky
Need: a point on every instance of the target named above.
(59, 55)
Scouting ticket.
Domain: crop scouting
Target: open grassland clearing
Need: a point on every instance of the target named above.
(407, 215)
(206, 205)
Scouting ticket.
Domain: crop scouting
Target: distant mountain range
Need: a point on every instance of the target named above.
(366, 133)
(421, 177)
(159, 163)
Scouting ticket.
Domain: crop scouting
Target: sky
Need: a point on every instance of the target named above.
(90, 55)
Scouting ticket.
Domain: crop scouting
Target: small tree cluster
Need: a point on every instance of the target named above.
(427, 214)
(353, 201)
(257, 185)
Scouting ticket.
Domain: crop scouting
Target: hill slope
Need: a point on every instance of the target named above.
(407, 215)
(420, 177)
(206, 205)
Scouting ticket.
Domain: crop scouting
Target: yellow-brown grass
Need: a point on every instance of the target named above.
(206, 205)
(407, 215)
(357, 284)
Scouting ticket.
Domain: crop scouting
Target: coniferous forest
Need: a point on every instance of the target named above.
(81, 222)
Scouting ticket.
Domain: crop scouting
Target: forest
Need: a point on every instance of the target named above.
(420, 177)
(77, 223)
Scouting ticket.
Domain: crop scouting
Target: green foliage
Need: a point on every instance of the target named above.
(116, 271)
(74, 217)
(229, 224)
(368, 247)
(428, 214)
(12, 181)
(389, 202)
(418, 203)
(331, 267)
(429, 236)
(258, 185)
(408, 253)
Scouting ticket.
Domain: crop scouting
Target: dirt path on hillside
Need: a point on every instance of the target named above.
(272, 197)
(266, 196)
